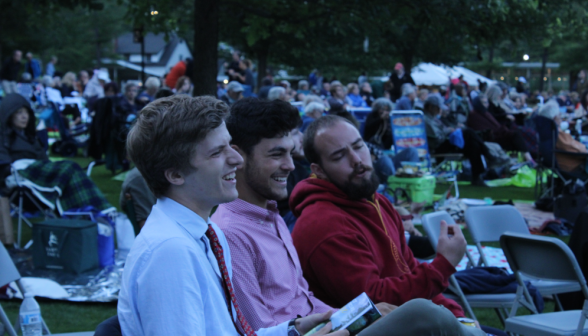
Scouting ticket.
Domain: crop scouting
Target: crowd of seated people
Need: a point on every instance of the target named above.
(299, 230)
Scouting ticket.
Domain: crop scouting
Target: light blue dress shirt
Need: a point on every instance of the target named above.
(171, 282)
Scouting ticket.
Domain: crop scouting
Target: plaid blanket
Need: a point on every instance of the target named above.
(77, 188)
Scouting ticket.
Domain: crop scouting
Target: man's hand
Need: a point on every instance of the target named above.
(510, 117)
(305, 324)
(451, 244)
(385, 308)
(409, 227)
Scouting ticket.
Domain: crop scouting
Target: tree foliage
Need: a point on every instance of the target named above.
(337, 36)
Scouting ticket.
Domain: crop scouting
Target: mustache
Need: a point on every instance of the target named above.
(360, 169)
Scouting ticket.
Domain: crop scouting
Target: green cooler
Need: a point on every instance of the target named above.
(70, 245)
(420, 189)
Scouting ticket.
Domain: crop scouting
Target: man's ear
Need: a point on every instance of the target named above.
(174, 177)
(318, 171)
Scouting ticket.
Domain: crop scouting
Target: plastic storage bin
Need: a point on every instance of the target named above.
(420, 189)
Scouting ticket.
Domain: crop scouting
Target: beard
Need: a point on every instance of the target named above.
(358, 191)
(260, 185)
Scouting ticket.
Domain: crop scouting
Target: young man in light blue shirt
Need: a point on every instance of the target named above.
(173, 282)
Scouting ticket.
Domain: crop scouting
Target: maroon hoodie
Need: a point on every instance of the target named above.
(348, 247)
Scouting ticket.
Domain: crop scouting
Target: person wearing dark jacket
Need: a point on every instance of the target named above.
(266, 85)
(483, 121)
(19, 140)
(9, 72)
(377, 128)
(397, 79)
(378, 133)
(501, 113)
(18, 134)
(443, 139)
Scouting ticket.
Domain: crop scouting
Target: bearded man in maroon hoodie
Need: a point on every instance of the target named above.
(350, 239)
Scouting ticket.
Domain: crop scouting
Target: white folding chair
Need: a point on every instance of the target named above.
(546, 258)
(500, 302)
(488, 223)
(9, 274)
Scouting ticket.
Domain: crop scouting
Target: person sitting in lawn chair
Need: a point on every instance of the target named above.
(19, 140)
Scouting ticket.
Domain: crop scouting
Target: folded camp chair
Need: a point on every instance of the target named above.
(488, 223)
(547, 258)
(24, 193)
(500, 302)
(9, 274)
(547, 161)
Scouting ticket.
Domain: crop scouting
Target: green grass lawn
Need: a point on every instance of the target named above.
(70, 316)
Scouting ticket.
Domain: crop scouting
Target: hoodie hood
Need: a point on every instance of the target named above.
(313, 190)
(10, 104)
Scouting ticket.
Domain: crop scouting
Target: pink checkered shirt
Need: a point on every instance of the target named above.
(267, 276)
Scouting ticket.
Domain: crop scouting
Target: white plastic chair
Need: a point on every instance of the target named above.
(547, 258)
(500, 302)
(488, 223)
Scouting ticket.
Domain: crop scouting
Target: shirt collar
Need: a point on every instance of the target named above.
(188, 219)
(242, 208)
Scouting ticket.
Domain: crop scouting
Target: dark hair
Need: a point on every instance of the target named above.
(321, 123)
(428, 107)
(163, 92)
(459, 89)
(112, 86)
(267, 82)
(252, 119)
(166, 133)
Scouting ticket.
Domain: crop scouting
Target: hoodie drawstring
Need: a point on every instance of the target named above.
(399, 261)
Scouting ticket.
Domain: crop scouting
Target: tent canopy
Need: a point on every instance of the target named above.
(429, 74)
(436, 75)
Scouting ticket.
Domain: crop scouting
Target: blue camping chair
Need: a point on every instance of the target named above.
(547, 161)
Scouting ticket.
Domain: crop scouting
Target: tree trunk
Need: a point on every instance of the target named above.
(543, 68)
(205, 56)
(571, 82)
(98, 49)
(490, 60)
(407, 63)
(262, 62)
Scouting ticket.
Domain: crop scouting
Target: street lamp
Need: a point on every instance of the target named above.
(525, 57)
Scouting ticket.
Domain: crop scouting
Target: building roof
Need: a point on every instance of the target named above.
(154, 43)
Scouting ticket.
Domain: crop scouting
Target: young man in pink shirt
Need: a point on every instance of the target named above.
(267, 275)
